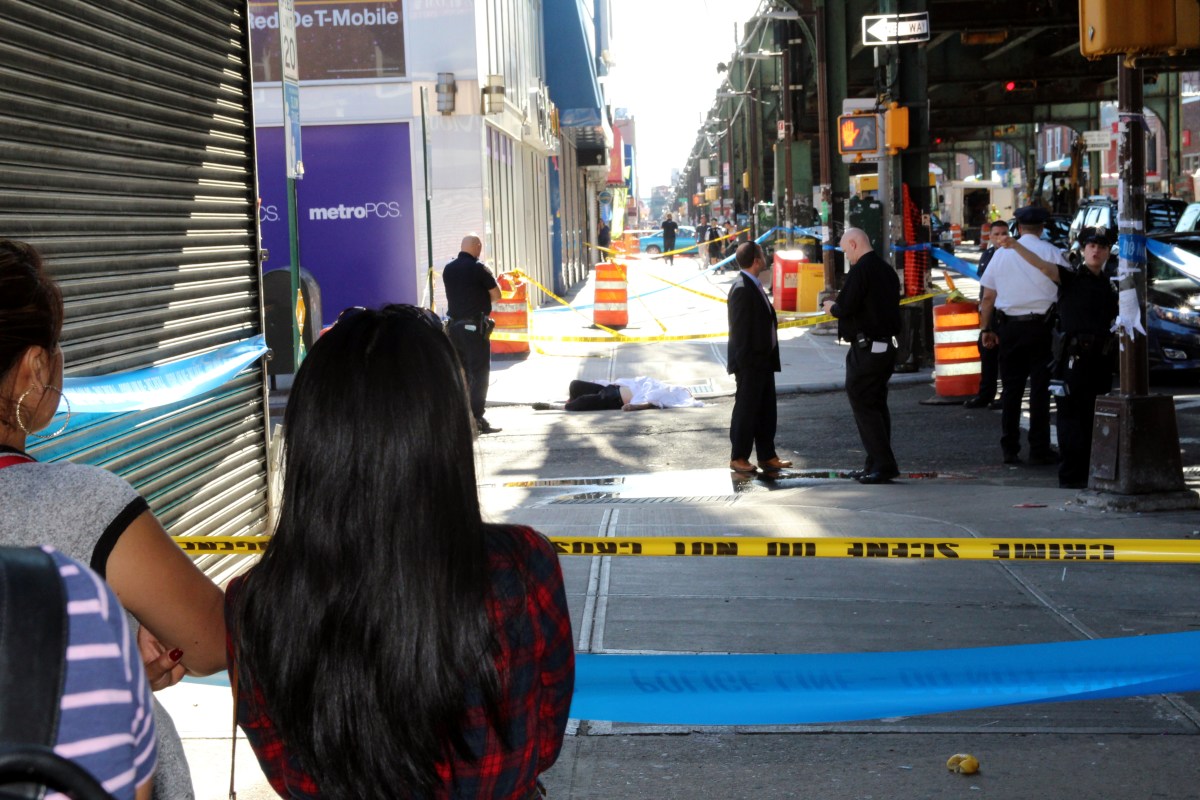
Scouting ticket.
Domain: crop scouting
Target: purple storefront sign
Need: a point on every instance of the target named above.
(355, 212)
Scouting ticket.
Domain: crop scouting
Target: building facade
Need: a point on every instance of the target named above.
(422, 121)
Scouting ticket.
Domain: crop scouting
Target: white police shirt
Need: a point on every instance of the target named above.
(1020, 287)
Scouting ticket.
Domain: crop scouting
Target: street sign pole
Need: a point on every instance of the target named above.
(295, 165)
(428, 199)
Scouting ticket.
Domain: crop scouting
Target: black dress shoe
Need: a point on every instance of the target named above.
(483, 426)
(1012, 458)
(878, 476)
(977, 402)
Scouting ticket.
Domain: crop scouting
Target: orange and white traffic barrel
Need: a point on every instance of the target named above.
(956, 350)
(611, 305)
(956, 234)
(511, 313)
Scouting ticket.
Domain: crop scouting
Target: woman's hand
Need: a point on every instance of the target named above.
(162, 666)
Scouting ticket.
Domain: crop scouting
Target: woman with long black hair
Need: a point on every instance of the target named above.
(390, 643)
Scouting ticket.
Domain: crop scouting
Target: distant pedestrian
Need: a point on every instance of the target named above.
(701, 238)
(604, 238)
(470, 291)
(868, 313)
(1017, 315)
(753, 360)
(669, 228)
(714, 244)
(989, 357)
(1083, 350)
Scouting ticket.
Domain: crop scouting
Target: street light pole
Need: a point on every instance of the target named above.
(785, 81)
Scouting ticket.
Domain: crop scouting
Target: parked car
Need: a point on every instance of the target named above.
(1162, 215)
(1190, 221)
(1055, 230)
(1172, 301)
(685, 237)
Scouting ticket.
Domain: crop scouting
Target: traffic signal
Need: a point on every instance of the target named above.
(895, 128)
(858, 134)
(1020, 86)
(1109, 27)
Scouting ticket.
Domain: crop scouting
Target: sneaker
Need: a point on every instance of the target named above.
(483, 426)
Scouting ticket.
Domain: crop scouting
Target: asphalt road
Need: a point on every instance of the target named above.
(1134, 748)
(815, 430)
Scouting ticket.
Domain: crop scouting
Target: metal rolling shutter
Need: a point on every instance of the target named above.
(127, 158)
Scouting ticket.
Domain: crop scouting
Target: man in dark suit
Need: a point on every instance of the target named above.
(868, 314)
(753, 360)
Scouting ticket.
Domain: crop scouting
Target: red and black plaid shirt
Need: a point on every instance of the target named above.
(536, 663)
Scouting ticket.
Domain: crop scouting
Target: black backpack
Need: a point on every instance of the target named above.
(33, 644)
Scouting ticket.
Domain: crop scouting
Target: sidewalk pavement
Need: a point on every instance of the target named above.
(664, 605)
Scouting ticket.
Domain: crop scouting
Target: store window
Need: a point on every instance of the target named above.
(335, 40)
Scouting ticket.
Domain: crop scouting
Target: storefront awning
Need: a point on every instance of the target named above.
(571, 73)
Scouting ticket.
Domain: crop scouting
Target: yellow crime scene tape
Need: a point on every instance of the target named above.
(504, 336)
(1065, 550)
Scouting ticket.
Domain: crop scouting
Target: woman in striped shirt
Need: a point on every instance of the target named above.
(106, 721)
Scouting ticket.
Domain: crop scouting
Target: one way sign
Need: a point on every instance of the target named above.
(880, 29)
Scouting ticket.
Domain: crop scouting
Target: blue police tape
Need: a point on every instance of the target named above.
(151, 387)
(951, 261)
(795, 689)
(1182, 261)
(803, 689)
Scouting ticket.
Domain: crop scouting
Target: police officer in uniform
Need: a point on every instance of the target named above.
(1084, 346)
(1016, 314)
(989, 358)
(470, 291)
(868, 313)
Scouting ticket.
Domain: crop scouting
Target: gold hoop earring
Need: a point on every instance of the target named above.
(21, 422)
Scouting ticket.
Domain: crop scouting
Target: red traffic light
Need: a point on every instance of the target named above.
(1020, 86)
(859, 134)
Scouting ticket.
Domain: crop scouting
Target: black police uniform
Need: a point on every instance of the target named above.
(868, 314)
(1083, 365)
(989, 357)
(468, 303)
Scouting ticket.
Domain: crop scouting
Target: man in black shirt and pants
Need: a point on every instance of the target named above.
(470, 291)
(868, 313)
(669, 228)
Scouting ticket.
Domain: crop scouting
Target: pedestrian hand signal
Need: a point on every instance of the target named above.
(858, 134)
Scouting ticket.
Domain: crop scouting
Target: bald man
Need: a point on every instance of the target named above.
(868, 314)
(470, 291)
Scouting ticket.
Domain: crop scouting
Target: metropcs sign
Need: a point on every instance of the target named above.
(883, 29)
